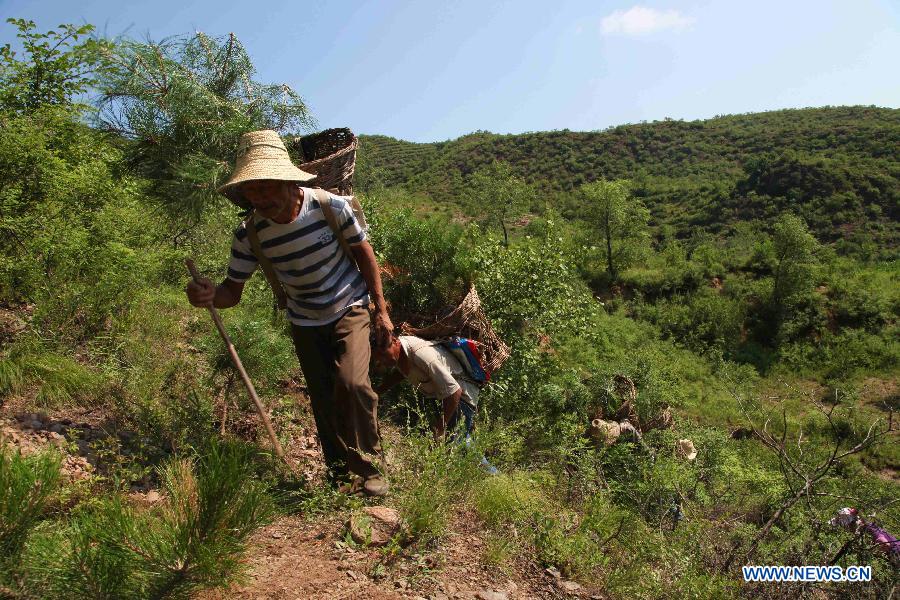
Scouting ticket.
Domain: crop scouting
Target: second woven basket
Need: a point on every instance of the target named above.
(330, 155)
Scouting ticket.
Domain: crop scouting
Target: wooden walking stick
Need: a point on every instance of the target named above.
(240, 367)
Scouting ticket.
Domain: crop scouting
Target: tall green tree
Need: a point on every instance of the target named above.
(794, 249)
(620, 219)
(500, 196)
(183, 103)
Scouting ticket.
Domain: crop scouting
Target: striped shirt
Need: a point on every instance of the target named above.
(320, 281)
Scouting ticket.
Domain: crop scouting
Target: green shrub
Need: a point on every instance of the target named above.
(703, 321)
(265, 349)
(510, 499)
(862, 297)
(26, 485)
(424, 270)
(83, 243)
(194, 540)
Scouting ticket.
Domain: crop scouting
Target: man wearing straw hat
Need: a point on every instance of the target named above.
(327, 297)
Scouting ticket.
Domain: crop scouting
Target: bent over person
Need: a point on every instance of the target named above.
(436, 373)
(327, 297)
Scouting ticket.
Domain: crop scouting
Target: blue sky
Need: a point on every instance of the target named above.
(431, 71)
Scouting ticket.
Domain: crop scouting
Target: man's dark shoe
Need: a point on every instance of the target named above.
(375, 486)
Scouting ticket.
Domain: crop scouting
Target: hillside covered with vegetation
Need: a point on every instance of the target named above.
(732, 282)
(837, 167)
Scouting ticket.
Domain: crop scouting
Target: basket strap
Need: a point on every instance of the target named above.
(324, 199)
(264, 262)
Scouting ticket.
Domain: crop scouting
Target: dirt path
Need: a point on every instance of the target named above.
(300, 558)
(296, 558)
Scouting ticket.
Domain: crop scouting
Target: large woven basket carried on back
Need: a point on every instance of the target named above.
(331, 156)
(467, 320)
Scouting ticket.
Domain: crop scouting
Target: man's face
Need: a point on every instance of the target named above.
(268, 197)
(387, 357)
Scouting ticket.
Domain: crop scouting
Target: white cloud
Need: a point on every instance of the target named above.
(638, 20)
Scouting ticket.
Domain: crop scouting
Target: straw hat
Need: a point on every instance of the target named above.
(260, 155)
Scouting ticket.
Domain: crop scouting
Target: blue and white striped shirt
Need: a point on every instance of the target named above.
(320, 281)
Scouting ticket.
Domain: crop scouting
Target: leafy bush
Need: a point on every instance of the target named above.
(423, 266)
(510, 498)
(863, 297)
(79, 244)
(703, 321)
(57, 66)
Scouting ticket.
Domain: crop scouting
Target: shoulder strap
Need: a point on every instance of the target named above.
(264, 262)
(324, 200)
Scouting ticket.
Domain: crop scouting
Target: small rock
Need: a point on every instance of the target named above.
(153, 497)
(375, 526)
(277, 535)
(553, 572)
(57, 427)
(569, 586)
(489, 595)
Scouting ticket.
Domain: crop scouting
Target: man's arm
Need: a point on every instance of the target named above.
(449, 405)
(368, 266)
(203, 294)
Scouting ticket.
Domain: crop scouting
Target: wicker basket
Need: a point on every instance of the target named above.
(331, 156)
(468, 320)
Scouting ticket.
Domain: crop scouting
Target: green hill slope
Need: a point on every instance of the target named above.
(838, 167)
